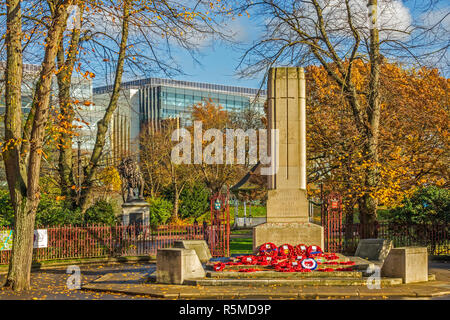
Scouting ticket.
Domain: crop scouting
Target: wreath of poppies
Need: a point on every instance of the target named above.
(287, 258)
(219, 266)
(249, 260)
(300, 249)
(326, 270)
(314, 251)
(331, 256)
(309, 263)
(285, 250)
(300, 257)
(268, 249)
(265, 260)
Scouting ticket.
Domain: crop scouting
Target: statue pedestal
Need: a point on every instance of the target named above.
(136, 211)
(287, 221)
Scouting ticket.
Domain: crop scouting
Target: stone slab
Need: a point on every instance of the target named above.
(408, 263)
(287, 206)
(292, 233)
(130, 283)
(200, 247)
(373, 249)
(282, 275)
(292, 282)
(175, 265)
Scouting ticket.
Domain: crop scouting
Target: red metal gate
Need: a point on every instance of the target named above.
(219, 231)
(332, 222)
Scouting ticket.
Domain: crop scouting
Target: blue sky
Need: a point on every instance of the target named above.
(219, 61)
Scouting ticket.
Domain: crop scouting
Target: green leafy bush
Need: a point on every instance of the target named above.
(6, 209)
(427, 205)
(102, 212)
(56, 213)
(52, 212)
(160, 211)
(194, 201)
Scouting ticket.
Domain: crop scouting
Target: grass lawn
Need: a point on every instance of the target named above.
(241, 246)
(242, 231)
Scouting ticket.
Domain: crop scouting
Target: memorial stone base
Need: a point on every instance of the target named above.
(137, 211)
(291, 233)
(287, 221)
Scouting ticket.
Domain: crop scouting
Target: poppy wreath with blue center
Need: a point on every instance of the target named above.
(268, 249)
(309, 263)
(314, 251)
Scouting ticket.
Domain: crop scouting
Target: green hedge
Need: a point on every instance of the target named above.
(427, 205)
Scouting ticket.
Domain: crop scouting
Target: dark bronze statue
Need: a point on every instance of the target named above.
(131, 178)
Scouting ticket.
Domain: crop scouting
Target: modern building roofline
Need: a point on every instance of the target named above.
(135, 84)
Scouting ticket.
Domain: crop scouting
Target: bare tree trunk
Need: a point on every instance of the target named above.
(103, 124)
(176, 200)
(20, 266)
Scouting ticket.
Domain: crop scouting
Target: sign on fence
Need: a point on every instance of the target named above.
(40, 238)
(6, 237)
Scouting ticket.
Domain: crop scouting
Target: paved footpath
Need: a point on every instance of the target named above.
(126, 281)
(51, 284)
(135, 284)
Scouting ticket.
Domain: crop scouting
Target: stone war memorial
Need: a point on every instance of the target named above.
(288, 250)
(287, 205)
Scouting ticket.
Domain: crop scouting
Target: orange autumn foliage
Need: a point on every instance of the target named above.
(413, 146)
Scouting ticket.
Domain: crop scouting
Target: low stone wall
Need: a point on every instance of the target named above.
(241, 222)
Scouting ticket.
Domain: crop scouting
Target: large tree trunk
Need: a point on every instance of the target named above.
(13, 133)
(368, 203)
(20, 266)
(103, 124)
(64, 77)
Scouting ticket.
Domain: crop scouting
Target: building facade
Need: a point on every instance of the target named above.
(152, 100)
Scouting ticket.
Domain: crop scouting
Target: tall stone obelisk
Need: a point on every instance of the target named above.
(287, 204)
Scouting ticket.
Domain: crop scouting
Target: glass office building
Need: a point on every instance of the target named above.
(152, 100)
(165, 98)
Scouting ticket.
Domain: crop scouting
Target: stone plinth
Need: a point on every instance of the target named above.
(292, 233)
(175, 265)
(200, 247)
(408, 263)
(137, 211)
(287, 205)
(374, 249)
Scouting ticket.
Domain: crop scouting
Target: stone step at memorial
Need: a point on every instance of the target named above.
(283, 275)
(291, 282)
